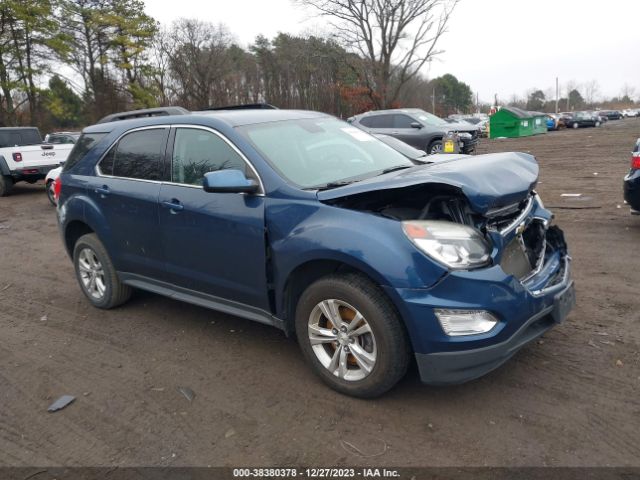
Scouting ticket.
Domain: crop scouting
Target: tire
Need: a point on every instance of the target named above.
(114, 292)
(386, 340)
(597, 124)
(6, 185)
(575, 125)
(435, 147)
(50, 194)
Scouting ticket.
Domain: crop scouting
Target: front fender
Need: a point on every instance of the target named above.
(304, 231)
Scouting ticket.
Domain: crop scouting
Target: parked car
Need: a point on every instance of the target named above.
(602, 119)
(304, 222)
(555, 121)
(62, 137)
(632, 181)
(631, 112)
(611, 114)
(50, 184)
(418, 128)
(581, 119)
(24, 158)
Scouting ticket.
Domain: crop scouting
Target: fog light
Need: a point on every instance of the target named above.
(465, 322)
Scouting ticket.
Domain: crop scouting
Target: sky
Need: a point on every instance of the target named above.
(502, 47)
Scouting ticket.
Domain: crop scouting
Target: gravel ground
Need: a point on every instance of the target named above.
(570, 399)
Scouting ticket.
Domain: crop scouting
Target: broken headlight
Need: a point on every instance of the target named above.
(457, 246)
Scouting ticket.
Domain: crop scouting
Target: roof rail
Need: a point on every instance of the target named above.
(246, 106)
(146, 112)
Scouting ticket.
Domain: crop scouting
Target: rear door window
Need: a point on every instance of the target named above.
(9, 139)
(137, 155)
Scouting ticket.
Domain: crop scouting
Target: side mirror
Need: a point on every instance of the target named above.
(416, 125)
(228, 181)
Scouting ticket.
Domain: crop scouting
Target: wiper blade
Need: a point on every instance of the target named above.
(393, 169)
(330, 185)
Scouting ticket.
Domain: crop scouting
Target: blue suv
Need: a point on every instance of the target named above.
(301, 221)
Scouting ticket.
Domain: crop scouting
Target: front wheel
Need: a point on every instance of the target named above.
(50, 193)
(96, 274)
(435, 147)
(575, 125)
(351, 335)
(597, 124)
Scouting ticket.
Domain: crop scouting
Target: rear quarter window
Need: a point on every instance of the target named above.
(85, 143)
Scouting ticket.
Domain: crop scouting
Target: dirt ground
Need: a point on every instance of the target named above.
(570, 399)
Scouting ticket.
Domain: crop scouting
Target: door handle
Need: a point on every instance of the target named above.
(103, 191)
(174, 205)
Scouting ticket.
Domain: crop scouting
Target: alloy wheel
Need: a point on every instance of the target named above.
(342, 340)
(91, 273)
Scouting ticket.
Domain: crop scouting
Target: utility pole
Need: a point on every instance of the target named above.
(433, 101)
(557, 94)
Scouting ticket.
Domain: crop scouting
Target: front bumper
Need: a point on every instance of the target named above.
(447, 368)
(632, 190)
(469, 145)
(524, 307)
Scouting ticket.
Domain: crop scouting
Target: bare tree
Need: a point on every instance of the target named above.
(628, 92)
(591, 92)
(396, 38)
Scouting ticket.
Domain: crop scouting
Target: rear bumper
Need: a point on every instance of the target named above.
(632, 190)
(36, 172)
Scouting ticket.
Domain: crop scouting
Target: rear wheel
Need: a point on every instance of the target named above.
(6, 185)
(575, 125)
(351, 335)
(597, 124)
(96, 274)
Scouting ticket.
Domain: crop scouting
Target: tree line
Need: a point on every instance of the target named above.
(66, 63)
(574, 97)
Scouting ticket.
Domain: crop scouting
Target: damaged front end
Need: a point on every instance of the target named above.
(506, 277)
(519, 237)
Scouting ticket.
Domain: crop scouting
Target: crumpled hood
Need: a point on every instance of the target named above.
(461, 127)
(488, 181)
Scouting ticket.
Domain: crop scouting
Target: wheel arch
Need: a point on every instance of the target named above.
(306, 273)
(434, 139)
(72, 232)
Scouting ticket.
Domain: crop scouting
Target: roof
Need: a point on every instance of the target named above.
(144, 113)
(232, 118)
(390, 110)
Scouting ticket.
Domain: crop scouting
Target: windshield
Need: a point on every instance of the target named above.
(315, 153)
(405, 149)
(429, 119)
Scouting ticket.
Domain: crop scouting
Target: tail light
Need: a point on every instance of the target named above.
(57, 186)
(17, 157)
(635, 161)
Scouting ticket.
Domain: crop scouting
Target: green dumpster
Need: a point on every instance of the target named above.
(512, 122)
